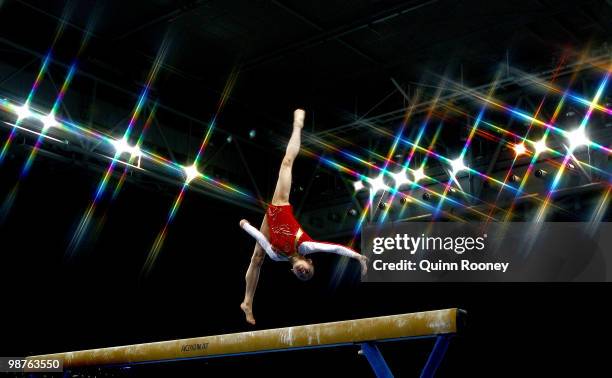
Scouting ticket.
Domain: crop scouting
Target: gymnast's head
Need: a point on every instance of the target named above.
(302, 268)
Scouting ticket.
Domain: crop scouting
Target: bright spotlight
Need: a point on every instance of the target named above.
(122, 146)
(400, 178)
(418, 174)
(519, 149)
(378, 184)
(22, 112)
(191, 173)
(458, 165)
(540, 146)
(358, 185)
(49, 121)
(578, 138)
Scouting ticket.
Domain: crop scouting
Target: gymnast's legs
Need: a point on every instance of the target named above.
(280, 197)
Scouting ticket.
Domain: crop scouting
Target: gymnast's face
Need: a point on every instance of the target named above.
(303, 269)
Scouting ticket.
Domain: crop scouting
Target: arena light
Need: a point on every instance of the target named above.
(378, 184)
(519, 149)
(577, 138)
(49, 121)
(418, 175)
(540, 146)
(191, 173)
(358, 185)
(400, 178)
(122, 146)
(22, 112)
(458, 165)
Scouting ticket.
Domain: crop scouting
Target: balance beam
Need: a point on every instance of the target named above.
(359, 331)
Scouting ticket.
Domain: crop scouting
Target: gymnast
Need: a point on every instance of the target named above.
(280, 236)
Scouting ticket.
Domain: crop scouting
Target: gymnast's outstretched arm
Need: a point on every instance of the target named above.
(262, 241)
(309, 247)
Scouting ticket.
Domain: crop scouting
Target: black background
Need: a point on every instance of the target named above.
(49, 303)
(96, 299)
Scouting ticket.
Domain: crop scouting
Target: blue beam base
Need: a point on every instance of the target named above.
(436, 356)
(376, 360)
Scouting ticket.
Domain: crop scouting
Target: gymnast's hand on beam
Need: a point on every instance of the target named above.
(363, 260)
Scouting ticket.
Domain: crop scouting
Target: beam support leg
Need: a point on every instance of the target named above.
(376, 360)
(436, 356)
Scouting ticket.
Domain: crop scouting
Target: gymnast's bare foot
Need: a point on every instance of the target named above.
(298, 118)
(243, 222)
(248, 312)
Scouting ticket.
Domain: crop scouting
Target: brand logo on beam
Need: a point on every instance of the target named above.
(194, 347)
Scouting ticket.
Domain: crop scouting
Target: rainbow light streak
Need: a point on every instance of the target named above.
(527, 117)
(41, 73)
(466, 145)
(344, 169)
(519, 149)
(406, 164)
(25, 106)
(145, 128)
(600, 209)
(536, 155)
(572, 95)
(161, 236)
(443, 159)
(83, 225)
(51, 115)
(535, 144)
(524, 150)
(10, 199)
(543, 208)
(101, 137)
(428, 152)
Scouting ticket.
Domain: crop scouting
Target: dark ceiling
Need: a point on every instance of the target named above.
(333, 57)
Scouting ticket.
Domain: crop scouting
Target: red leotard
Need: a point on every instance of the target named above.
(286, 234)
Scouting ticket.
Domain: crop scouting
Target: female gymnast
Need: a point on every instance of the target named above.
(280, 236)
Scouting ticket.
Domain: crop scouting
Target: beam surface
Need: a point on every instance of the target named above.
(428, 323)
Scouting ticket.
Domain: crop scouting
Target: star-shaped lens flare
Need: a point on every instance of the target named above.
(22, 112)
(540, 146)
(458, 165)
(49, 121)
(578, 138)
(358, 185)
(400, 178)
(418, 175)
(378, 184)
(122, 147)
(191, 173)
(519, 149)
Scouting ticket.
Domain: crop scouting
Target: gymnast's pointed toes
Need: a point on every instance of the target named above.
(248, 312)
(298, 117)
(243, 222)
